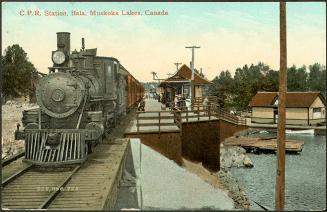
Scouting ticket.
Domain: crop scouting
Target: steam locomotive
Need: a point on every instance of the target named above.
(80, 101)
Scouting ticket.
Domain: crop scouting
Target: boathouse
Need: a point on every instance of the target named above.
(179, 84)
(302, 108)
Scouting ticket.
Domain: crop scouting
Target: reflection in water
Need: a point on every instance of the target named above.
(305, 187)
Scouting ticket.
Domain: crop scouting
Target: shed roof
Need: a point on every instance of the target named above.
(183, 74)
(293, 99)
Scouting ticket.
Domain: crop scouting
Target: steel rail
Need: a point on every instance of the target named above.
(16, 175)
(7, 161)
(53, 195)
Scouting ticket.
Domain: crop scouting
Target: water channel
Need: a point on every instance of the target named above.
(305, 187)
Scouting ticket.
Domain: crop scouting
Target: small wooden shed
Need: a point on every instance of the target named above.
(302, 108)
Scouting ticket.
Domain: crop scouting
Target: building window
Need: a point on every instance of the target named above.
(316, 113)
(109, 72)
(186, 91)
(316, 110)
(116, 68)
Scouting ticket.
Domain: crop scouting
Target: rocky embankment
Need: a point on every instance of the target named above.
(11, 115)
(232, 156)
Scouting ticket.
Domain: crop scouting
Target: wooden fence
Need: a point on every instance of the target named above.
(162, 119)
(212, 111)
(154, 119)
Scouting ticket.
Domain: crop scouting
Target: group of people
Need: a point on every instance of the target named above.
(179, 102)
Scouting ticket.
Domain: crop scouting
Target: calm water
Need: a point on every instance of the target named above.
(305, 187)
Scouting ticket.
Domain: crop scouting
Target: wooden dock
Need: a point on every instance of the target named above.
(263, 143)
(320, 131)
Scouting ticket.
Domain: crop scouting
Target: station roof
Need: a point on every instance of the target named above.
(293, 99)
(184, 74)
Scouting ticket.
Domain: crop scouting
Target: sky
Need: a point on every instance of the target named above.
(230, 34)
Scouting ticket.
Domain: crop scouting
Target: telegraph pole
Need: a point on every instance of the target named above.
(280, 172)
(155, 76)
(192, 68)
(177, 64)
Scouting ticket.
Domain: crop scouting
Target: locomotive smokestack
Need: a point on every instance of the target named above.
(63, 42)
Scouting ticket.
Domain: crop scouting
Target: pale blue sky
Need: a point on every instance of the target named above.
(230, 34)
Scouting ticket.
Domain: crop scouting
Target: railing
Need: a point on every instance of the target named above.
(194, 115)
(175, 118)
(154, 119)
(198, 101)
(211, 99)
(223, 114)
(212, 111)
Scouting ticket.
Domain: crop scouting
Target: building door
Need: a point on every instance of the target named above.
(275, 115)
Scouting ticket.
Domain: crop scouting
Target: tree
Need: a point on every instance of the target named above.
(297, 79)
(237, 92)
(222, 88)
(18, 72)
(317, 78)
(247, 82)
(271, 81)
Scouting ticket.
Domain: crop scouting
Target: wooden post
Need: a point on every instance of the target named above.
(186, 116)
(159, 122)
(198, 112)
(280, 172)
(137, 121)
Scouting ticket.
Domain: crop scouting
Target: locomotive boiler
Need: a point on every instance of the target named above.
(80, 100)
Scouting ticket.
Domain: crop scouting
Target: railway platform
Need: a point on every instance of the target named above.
(157, 118)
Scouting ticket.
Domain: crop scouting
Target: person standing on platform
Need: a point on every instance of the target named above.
(175, 102)
(205, 105)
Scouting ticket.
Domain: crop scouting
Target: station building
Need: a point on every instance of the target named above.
(302, 108)
(179, 84)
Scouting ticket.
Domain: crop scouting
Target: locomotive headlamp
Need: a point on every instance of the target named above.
(58, 57)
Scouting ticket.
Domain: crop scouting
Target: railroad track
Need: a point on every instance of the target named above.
(11, 159)
(32, 188)
(12, 165)
(93, 186)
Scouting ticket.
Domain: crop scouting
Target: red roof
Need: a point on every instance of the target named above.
(185, 74)
(293, 99)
